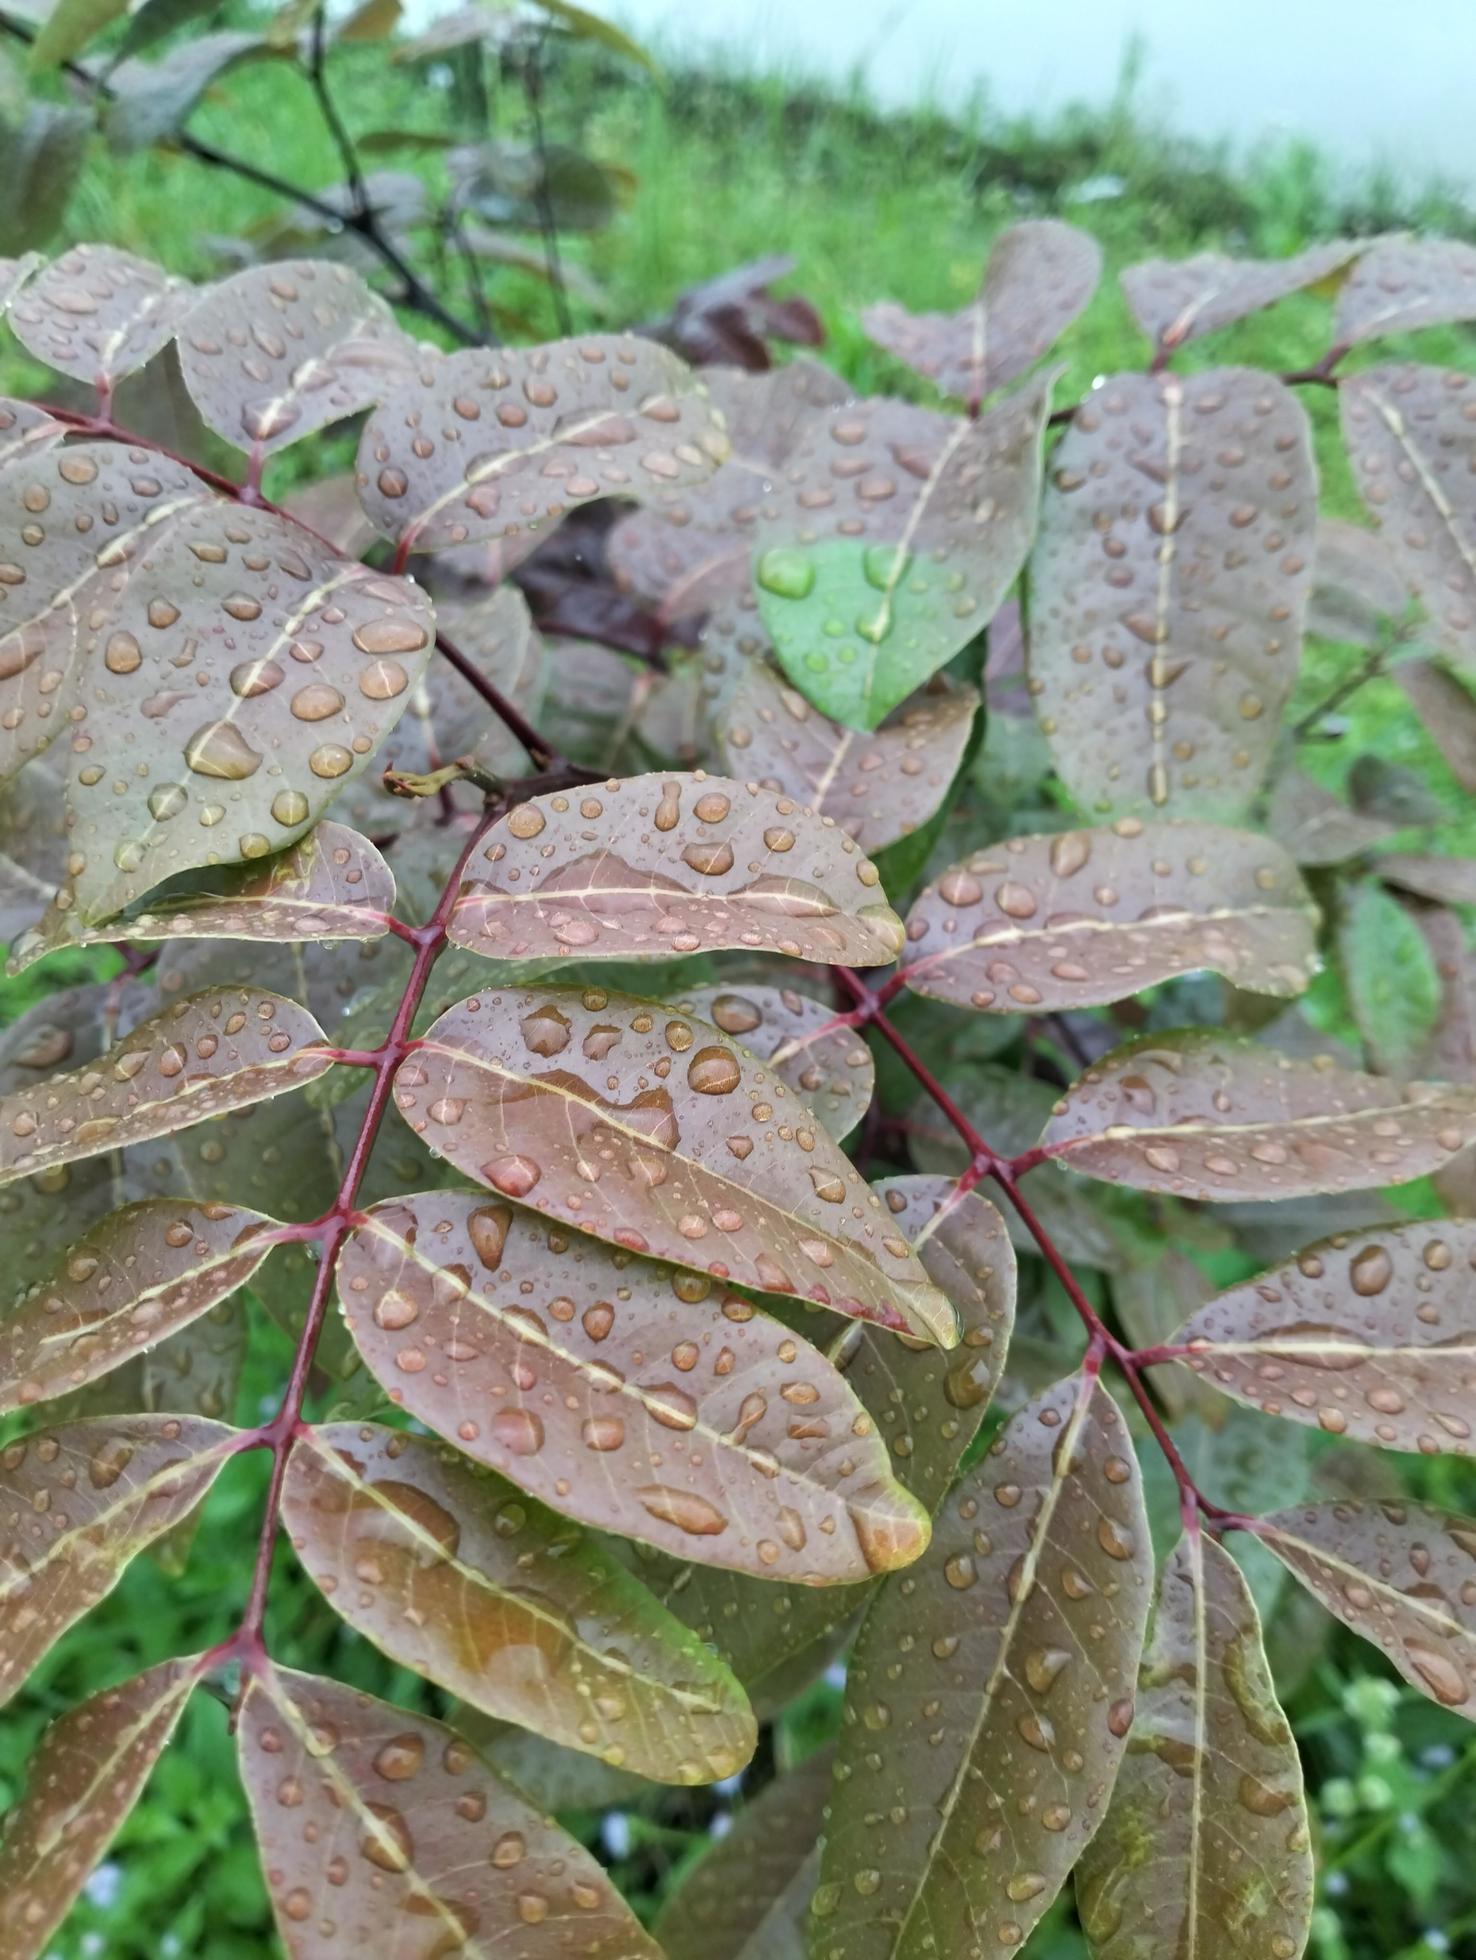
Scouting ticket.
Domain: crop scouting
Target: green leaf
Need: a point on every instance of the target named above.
(70, 27)
(587, 26)
(1392, 981)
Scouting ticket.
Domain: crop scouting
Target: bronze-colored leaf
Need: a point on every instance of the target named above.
(479, 445)
(455, 1575)
(1177, 300)
(87, 1773)
(1083, 917)
(1442, 880)
(672, 864)
(1218, 1117)
(1039, 276)
(990, 1697)
(1401, 1575)
(137, 1277)
(877, 787)
(97, 313)
(1370, 1334)
(1408, 434)
(26, 425)
(1403, 283)
(380, 1826)
(1448, 712)
(827, 1064)
(151, 101)
(1205, 1847)
(618, 1117)
(1314, 826)
(1170, 584)
(1357, 593)
(749, 1894)
(78, 1503)
(214, 1052)
(647, 1402)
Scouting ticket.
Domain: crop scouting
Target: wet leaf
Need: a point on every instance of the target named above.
(1219, 1117)
(671, 864)
(87, 1773)
(1039, 276)
(1403, 283)
(748, 1896)
(518, 438)
(622, 1119)
(415, 1836)
(211, 1053)
(26, 425)
(647, 1402)
(1403, 1576)
(1083, 917)
(79, 1502)
(1357, 592)
(1183, 578)
(1370, 1334)
(891, 539)
(1205, 1846)
(990, 1695)
(1315, 826)
(455, 1576)
(1393, 986)
(151, 101)
(1178, 300)
(13, 275)
(828, 1066)
(877, 787)
(131, 1281)
(98, 314)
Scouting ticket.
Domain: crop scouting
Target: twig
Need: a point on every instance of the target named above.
(532, 76)
(317, 71)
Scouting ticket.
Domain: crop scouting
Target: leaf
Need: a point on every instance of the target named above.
(989, 1699)
(1447, 711)
(215, 1051)
(87, 1773)
(877, 787)
(1178, 300)
(371, 20)
(43, 147)
(586, 26)
(890, 541)
(747, 1896)
(153, 20)
(228, 770)
(98, 314)
(13, 275)
(1357, 591)
(280, 350)
(1393, 986)
(415, 1836)
(1170, 590)
(1400, 1575)
(27, 426)
(640, 1400)
(1442, 880)
(1369, 1334)
(129, 1282)
(828, 1066)
(151, 101)
(531, 1091)
(69, 27)
(522, 437)
(1205, 1845)
(1314, 826)
(81, 1501)
(1408, 435)
(1039, 276)
(671, 864)
(444, 1569)
(1403, 283)
(1220, 1118)
(1083, 917)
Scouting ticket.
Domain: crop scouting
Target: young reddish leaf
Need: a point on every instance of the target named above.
(1039, 276)
(1205, 1847)
(135, 1278)
(1403, 283)
(377, 1826)
(644, 1401)
(617, 1117)
(97, 313)
(1177, 300)
(211, 1053)
(877, 787)
(151, 101)
(1406, 430)
(1083, 917)
(1357, 591)
(87, 1773)
(331, 884)
(990, 1696)
(827, 1065)
(1217, 1117)
(672, 864)
(1370, 1334)
(890, 541)
(480, 445)
(1389, 972)
(1401, 1575)
(748, 1896)
(526, 1618)
(1442, 880)
(79, 1502)
(1314, 826)
(1170, 588)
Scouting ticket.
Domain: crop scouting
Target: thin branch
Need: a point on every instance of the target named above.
(532, 76)
(317, 72)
